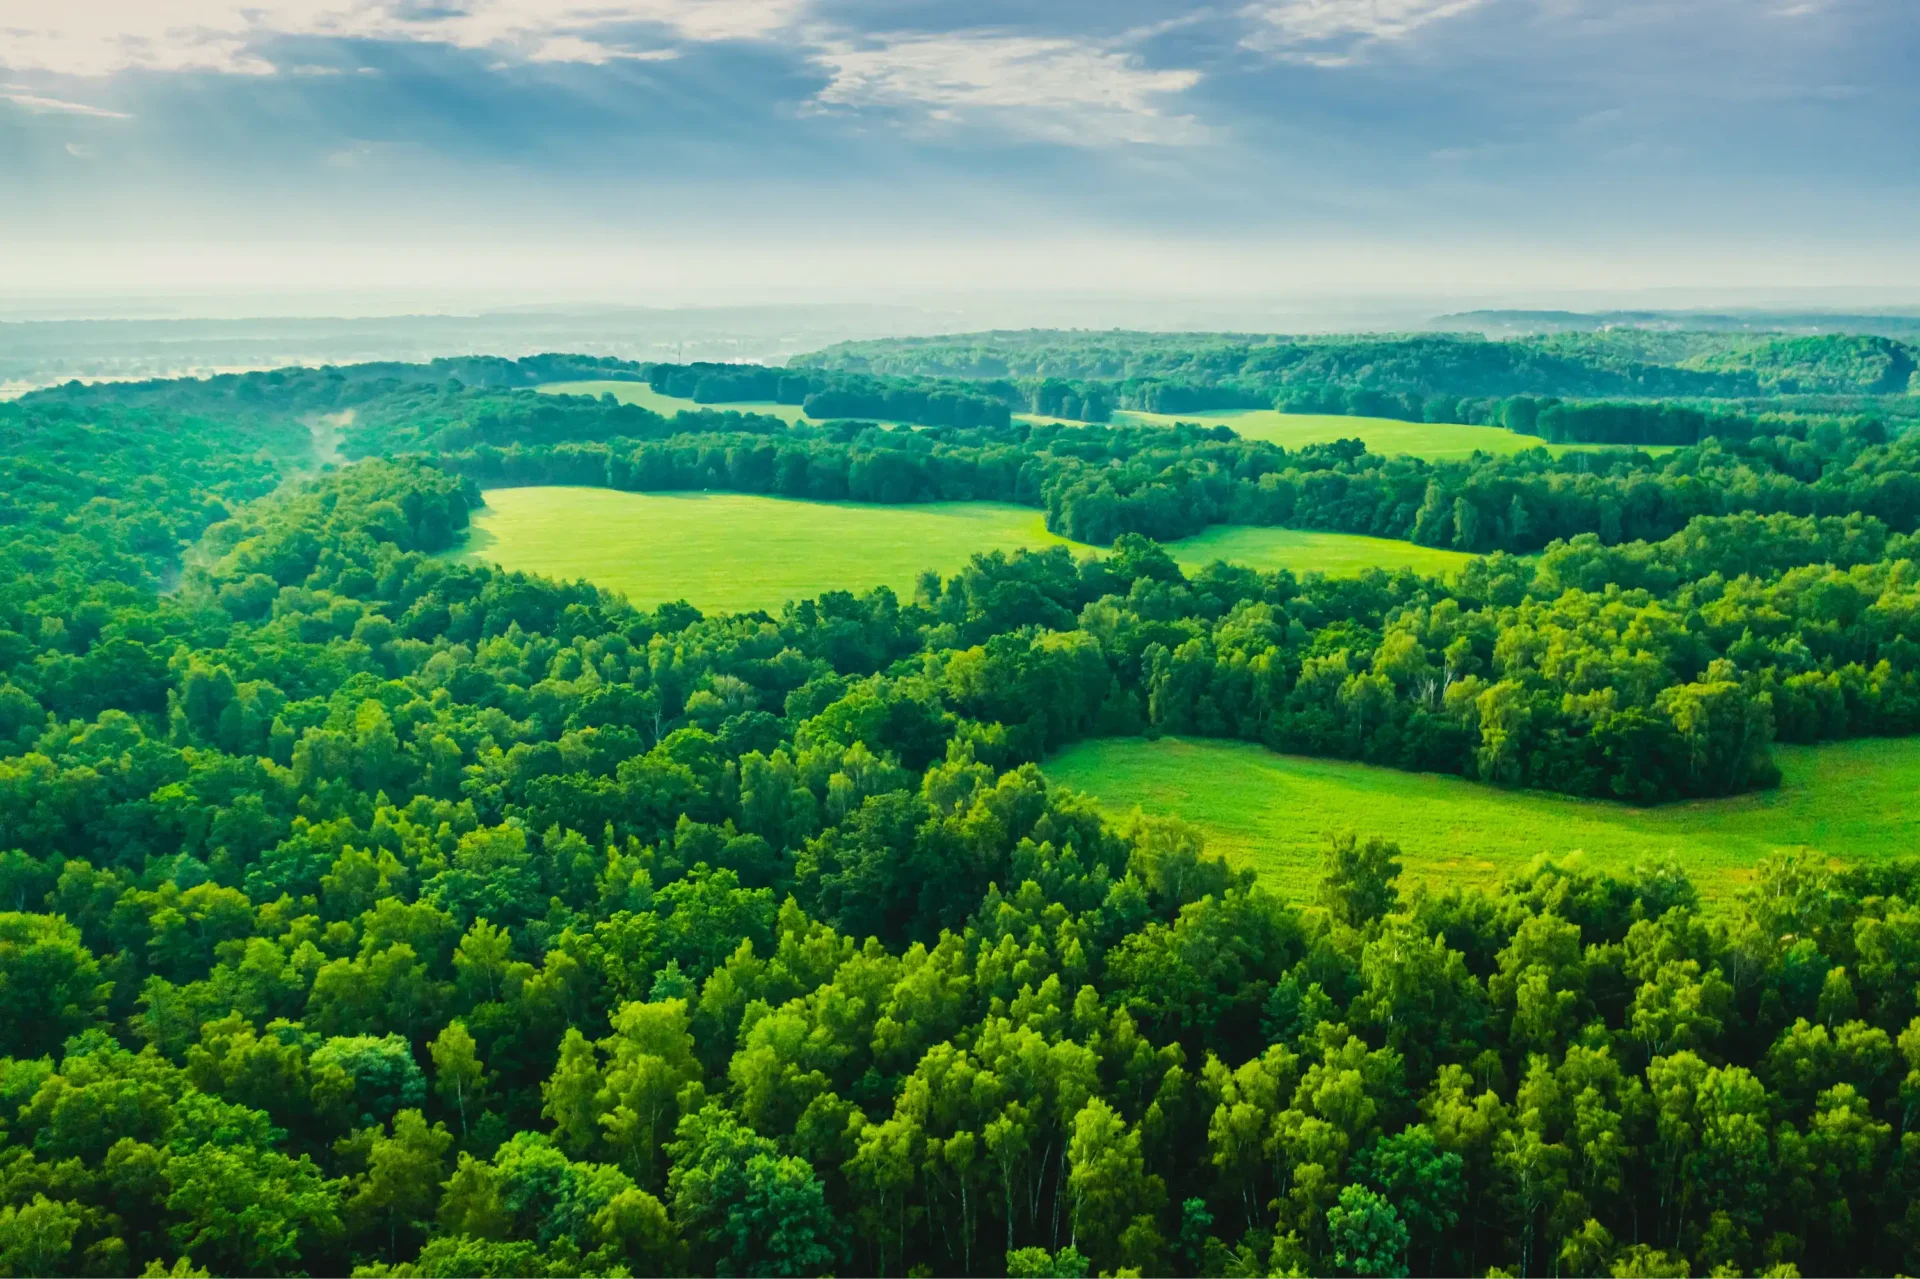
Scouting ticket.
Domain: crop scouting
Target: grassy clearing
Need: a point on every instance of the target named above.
(1310, 552)
(667, 405)
(734, 551)
(1275, 813)
(1430, 440)
(729, 552)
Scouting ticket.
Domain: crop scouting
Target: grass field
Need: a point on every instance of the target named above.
(728, 552)
(1433, 441)
(1305, 551)
(1275, 813)
(732, 551)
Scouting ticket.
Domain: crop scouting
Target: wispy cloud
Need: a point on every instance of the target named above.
(1339, 32)
(1047, 87)
(24, 97)
(99, 37)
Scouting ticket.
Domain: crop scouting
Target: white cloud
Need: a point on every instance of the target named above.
(1338, 32)
(1057, 89)
(22, 96)
(1065, 90)
(99, 37)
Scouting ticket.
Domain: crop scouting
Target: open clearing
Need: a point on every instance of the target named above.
(1430, 440)
(1305, 551)
(729, 552)
(1275, 813)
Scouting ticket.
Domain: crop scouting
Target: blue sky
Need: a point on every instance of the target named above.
(790, 144)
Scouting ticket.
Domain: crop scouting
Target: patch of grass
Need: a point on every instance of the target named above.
(1430, 440)
(1275, 813)
(667, 405)
(1306, 551)
(727, 552)
(730, 552)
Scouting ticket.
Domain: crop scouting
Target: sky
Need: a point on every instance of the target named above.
(780, 149)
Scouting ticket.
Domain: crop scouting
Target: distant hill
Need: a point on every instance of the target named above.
(1894, 324)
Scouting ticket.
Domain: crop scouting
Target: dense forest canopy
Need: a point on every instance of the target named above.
(365, 910)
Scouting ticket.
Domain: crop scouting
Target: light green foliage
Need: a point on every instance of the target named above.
(50, 984)
(246, 1210)
(1275, 813)
(401, 1187)
(1038, 1263)
(36, 1237)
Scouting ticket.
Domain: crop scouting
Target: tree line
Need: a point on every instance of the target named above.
(1596, 365)
(1098, 482)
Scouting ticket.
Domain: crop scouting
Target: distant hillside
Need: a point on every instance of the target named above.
(1253, 369)
(1895, 324)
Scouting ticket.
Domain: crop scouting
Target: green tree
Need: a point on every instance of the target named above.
(1366, 1234)
(251, 1211)
(50, 984)
(1357, 880)
(459, 1077)
(399, 1192)
(36, 1237)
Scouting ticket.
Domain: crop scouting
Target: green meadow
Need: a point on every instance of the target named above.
(1275, 813)
(734, 551)
(729, 552)
(1305, 551)
(1429, 440)
(1433, 441)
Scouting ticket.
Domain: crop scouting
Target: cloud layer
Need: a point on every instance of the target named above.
(1573, 127)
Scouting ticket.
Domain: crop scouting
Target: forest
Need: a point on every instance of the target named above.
(365, 911)
(1430, 377)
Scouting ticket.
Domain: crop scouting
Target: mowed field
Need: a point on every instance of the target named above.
(1275, 813)
(727, 552)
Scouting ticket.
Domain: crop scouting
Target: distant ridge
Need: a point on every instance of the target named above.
(1891, 323)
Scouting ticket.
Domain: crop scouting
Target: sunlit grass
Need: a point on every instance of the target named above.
(1386, 436)
(1275, 813)
(734, 551)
